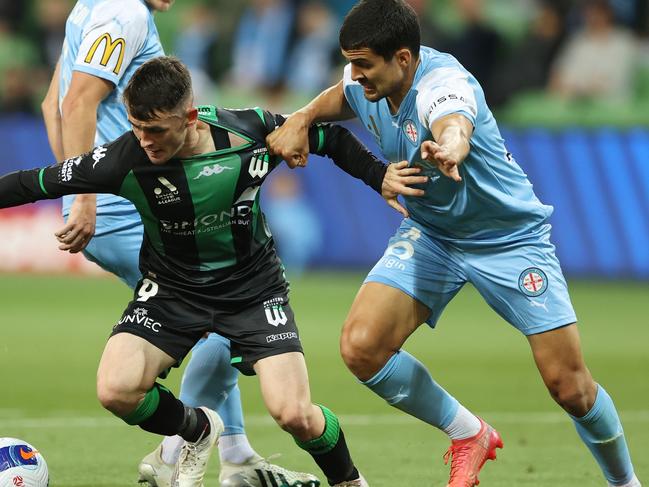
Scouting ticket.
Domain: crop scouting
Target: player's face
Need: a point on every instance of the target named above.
(161, 138)
(160, 5)
(378, 77)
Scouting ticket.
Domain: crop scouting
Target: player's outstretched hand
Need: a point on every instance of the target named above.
(443, 159)
(80, 227)
(291, 141)
(397, 180)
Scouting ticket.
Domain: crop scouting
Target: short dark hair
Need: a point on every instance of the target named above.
(160, 85)
(384, 26)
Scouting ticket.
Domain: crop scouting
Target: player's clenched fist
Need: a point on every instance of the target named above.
(291, 141)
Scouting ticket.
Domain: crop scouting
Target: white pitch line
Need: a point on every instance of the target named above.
(501, 417)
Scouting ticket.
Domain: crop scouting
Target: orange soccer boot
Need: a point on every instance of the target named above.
(470, 454)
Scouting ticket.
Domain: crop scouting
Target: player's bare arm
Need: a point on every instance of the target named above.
(451, 144)
(78, 127)
(291, 141)
(52, 115)
(354, 158)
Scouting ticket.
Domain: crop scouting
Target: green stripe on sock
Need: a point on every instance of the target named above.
(329, 438)
(146, 408)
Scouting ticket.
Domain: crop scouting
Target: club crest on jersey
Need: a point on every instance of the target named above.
(533, 282)
(275, 314)
(259, 163)
(410, 130)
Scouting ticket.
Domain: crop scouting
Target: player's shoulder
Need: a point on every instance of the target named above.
(120, 11)
(441, 70)
(443, 86)
(255, 122)
(125, 149)
(438, 68)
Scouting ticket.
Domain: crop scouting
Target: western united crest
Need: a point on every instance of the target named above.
(275, 314)
(259, 163)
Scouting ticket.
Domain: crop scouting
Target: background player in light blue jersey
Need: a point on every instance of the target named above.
(479, 221)
(105, 42)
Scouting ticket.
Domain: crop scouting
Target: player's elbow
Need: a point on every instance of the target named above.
(70, 106)
(77, 106)
(49, 107)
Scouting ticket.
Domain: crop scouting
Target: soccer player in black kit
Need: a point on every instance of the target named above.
(208, 261)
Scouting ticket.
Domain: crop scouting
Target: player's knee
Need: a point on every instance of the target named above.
(573, 392)
(116, 398)
(360, 351)
(295, 419)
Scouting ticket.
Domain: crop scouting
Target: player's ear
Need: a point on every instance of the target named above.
(404, 57)
(192, 116)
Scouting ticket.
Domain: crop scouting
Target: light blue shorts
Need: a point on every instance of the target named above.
(520, 279)
(118, 252)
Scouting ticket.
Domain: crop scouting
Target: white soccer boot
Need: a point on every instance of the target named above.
(634, 482)
(154, 471)
(359, 482)
(192, 462)
(259, 472)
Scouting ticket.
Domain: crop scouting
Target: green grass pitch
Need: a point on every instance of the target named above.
(52, 331)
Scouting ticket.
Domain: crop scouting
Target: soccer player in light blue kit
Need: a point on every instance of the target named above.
(105, 42)
(479, 221)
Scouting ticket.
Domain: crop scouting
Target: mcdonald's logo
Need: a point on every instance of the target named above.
(109, 49)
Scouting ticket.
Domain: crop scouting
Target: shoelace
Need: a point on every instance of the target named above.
(189, 451)
(188, 455)
(457, 454)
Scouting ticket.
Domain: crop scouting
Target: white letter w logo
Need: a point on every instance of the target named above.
(258, 166)
(276, 316)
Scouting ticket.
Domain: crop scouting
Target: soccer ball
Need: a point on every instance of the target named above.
(21, 465)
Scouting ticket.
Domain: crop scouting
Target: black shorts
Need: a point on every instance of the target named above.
(174, 321)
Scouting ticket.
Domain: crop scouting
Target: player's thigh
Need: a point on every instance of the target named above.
(382, 317)
(118, 252)
(558, 353)
(412, 283)
(523, 282)
(169, 321)
(287, 373)
(131, 363)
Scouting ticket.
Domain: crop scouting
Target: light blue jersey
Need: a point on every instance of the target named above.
(109, 39)
(495, 200)
(490, 229)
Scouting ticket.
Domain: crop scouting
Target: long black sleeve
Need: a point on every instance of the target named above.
(101, 170)
(20, 187)
(347, 152)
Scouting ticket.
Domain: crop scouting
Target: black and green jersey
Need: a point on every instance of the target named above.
(204, 230)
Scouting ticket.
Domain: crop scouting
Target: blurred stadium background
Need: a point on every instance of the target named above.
(568, 81)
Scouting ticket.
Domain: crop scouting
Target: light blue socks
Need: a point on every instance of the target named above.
(601, 431)
(209, 380)
(405, 384)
